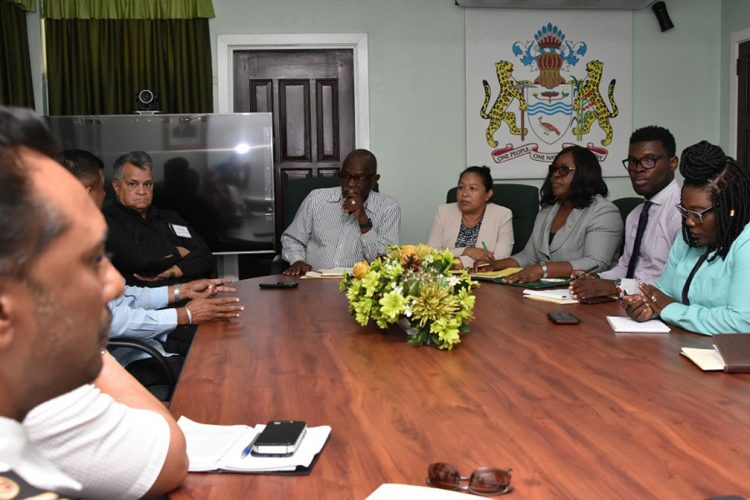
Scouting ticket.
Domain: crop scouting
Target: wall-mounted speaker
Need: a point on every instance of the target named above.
(660, 9)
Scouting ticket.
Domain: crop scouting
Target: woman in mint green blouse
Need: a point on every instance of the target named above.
(705, 286)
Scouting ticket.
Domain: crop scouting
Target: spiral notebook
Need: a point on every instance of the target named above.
(213, 448)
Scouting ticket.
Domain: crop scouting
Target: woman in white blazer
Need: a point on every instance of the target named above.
(473, 228)
(577, 228)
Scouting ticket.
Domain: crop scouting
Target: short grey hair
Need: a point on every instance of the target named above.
(139, 159)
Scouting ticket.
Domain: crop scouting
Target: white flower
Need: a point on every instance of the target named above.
(453, 281)
(408, 312)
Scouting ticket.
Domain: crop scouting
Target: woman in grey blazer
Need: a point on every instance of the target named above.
(577, 228)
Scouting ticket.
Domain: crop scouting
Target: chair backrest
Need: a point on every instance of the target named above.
(522, 200)
(298, 189)
(626, 205)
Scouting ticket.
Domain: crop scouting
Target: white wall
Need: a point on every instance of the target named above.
(417, 95)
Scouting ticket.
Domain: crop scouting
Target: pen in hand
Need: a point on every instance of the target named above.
(484, 246)
(587, 272)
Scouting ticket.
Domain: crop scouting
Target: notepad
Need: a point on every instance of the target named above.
(497, 274)
(332, 273)
(392, 491)
(212, 448)
(623, 324)
(557, 296)
(706, 359)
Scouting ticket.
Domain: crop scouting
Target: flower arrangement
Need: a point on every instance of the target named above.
(416, 283)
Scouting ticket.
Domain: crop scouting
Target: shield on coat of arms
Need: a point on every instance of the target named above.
(550, 111)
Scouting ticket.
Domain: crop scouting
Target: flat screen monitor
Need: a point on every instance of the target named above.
(215, 170)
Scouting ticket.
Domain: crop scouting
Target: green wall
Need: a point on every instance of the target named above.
(416, 71)
(417, 101)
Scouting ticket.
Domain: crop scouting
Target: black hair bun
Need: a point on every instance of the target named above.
(702, 162)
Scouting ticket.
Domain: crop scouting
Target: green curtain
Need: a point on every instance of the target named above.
(98, 66)
(15, 67)
(127, 9)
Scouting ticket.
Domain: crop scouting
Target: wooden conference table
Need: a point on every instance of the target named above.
(576, 411)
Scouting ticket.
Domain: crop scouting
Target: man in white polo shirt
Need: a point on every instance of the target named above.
(55, 283)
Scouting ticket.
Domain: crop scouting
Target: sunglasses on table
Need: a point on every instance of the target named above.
(485, 481)
(561, 170)
(695, 215)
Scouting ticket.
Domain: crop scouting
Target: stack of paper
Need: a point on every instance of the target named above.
(557, 296)
(623, 324)
(220, 447)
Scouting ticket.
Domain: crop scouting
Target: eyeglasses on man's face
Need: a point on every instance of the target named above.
(357, 179)
(694, 215)
(485, 481)
(647, 162)
(560, 170)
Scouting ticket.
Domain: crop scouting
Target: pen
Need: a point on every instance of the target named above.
(248, 448)
(592, 268)
(484, 245)
(587, 271)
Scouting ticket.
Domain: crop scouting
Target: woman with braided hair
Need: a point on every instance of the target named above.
(706, 282)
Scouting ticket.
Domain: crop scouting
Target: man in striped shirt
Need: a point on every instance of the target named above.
(336, 227)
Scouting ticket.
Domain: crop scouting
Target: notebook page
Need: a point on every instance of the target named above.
(207, 445)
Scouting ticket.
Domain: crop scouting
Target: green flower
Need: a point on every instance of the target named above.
(434, 303)
(447, 332)
(393, 304)
(371, 283)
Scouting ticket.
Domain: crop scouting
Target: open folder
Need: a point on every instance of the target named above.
(731, 353)
(213, 448)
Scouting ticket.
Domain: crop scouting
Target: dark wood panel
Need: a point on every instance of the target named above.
(576, 411)
(261, 95)
(327, 119)
(294, 120)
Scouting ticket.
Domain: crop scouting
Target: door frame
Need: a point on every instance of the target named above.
(737, 38)
(227, 44)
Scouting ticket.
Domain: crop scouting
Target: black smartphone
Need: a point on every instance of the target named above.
(597, 300)
(280, 438)
(563, 318)
(279, 284)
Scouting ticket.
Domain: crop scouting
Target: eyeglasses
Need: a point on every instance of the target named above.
(696, 216)
(484, 481)
(357, 179)
(647, 162)
(561, 170)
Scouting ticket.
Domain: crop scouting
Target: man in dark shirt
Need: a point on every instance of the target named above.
(150, 246)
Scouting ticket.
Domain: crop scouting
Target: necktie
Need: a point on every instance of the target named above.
(642, 221)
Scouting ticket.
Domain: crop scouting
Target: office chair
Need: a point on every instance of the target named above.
(626, 205)
(522, 200)
(163, 391)
(295, 192)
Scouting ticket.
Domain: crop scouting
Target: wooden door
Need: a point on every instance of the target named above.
(311, 96)
(743, 104)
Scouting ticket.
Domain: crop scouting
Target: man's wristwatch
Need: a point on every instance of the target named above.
(544, 269)
(366, 225)
(176, 290)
